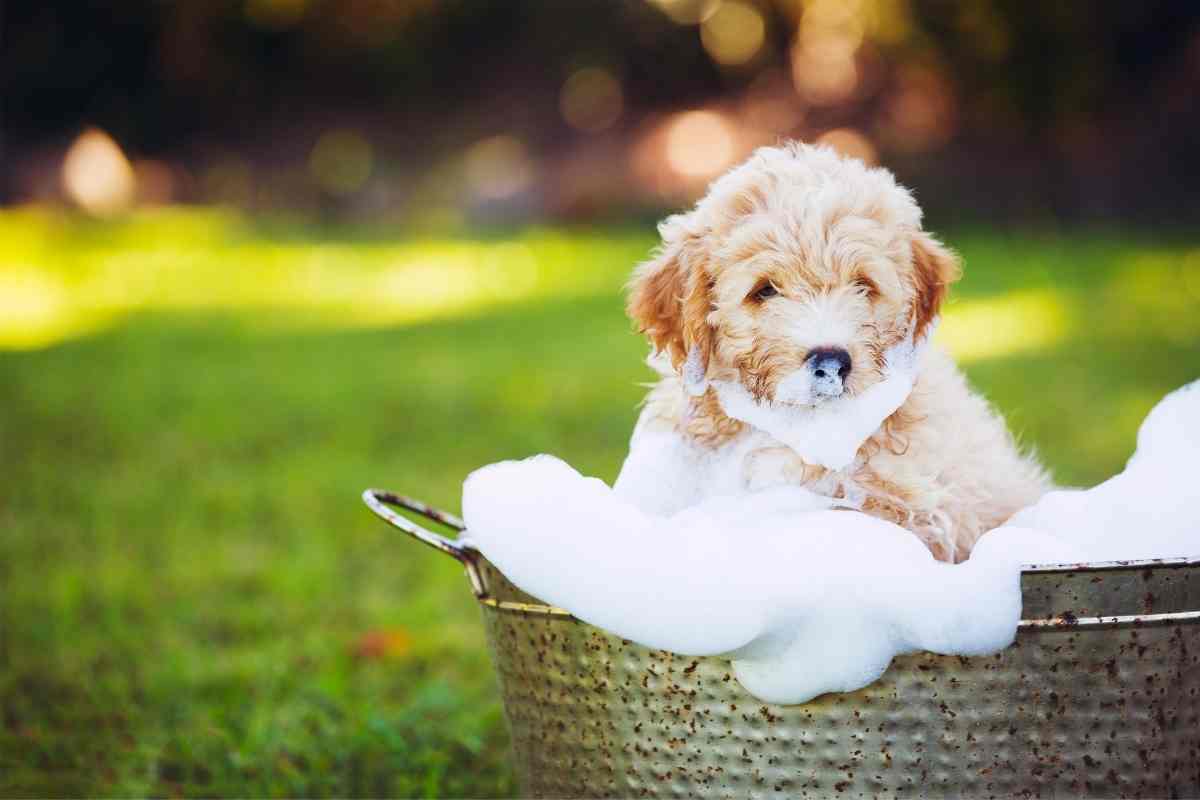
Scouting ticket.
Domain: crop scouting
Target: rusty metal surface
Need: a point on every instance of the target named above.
(1098, 697)
(1107, 589)
(380, 502)
(1111, 711)
(1108, 709)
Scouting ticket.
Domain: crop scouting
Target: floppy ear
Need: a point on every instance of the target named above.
(670, 299)
(935, 267)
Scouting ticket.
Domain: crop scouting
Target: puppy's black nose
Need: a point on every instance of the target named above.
(830, 366)
(829, 362)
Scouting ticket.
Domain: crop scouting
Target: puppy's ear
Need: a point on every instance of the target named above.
(935, 267)
(670, 299)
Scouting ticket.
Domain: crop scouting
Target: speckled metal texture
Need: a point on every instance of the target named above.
(1098, 697)
(1076, 707)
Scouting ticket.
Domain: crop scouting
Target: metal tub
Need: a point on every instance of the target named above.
(1099, 696)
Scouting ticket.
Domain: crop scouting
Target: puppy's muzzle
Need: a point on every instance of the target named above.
(829, 367)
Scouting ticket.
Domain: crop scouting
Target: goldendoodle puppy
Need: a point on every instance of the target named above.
(789, 288)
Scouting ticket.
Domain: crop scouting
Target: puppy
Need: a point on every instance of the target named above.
(789, 286)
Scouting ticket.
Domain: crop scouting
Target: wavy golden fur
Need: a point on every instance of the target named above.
(800, 249)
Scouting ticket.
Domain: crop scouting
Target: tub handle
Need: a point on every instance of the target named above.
(379, 501)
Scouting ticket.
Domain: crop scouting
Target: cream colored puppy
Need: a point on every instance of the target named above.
(787, 290)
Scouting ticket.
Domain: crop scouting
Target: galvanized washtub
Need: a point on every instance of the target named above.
(1098, 697)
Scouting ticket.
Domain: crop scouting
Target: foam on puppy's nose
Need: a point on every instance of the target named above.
(795, 389)
(828, 434)
(827, 386)
(827, 374)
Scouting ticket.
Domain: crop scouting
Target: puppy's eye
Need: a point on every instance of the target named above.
(764, 292)
(867, 285)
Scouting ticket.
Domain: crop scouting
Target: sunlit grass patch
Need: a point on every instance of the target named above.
(1002, 326)
(37, 309)
(1155, 293)
(61, 278)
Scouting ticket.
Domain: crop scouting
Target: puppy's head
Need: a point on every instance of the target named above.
(794, 275)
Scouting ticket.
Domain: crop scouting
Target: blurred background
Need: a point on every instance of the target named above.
(257, 255)
(444, 111)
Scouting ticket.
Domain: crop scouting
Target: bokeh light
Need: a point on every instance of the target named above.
(700, 144)
(771, 106)
(394, 93)
(920, 114)
(156, 183)
(341, 162)
(734, 33)
(850, 142)
(591, 100)
(318, 241)
(97, 176)
(687, 12)
(823, 55)
(498, 167)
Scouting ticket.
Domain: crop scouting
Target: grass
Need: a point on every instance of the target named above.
(193, 600)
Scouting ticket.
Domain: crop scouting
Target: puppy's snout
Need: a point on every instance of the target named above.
(829, 367)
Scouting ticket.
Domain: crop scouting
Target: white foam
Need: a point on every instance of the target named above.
(805, 600)
(827, 433)
(666, 473)
(1152, 508)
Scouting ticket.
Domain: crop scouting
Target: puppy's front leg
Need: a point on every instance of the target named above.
(770, 467)
(663, 472)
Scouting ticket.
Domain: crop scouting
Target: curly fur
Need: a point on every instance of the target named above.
(843, 246)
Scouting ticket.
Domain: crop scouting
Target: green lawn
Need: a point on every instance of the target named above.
(193, 600)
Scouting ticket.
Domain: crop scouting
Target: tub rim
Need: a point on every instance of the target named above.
(461, 549)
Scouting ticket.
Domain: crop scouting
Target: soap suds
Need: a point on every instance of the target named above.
(804, 599)
(827, 433)
(1152, 508)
